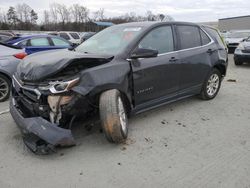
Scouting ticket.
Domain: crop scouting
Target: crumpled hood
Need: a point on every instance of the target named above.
(41, 65)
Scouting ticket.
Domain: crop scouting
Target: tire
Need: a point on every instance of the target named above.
(237, 62)
(5, 85)
(113, 116)
(211, 86)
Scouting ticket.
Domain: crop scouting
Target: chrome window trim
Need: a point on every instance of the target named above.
(202, 46)
(176, 51)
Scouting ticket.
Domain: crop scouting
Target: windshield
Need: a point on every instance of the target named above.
(239, 35)
(112, 40)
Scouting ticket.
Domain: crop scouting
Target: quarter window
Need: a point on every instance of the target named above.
(160, 39)
(39, 42)
(217, 36)
(205, 39)
(189, 36)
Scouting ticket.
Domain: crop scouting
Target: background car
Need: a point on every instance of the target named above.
(10, 57)
(242, 52)
(85, 36)
(73, 37)
(234, 38)
(4, 38)
(37, 43)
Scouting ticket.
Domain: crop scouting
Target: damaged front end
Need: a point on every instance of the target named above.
(39, 114)
(45, 110)
(48, 94)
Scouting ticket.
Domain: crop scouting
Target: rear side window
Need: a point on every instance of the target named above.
(75, 35)
(189, 36)
(64, 35)
(59, 42)
(204, 38)
(217, 36)
(39, 42)
(160, 39)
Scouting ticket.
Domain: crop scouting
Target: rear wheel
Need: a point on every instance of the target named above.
(212, 85)
(4, 88)
(237, 62)
(113, 116)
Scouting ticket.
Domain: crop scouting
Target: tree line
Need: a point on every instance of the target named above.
(62, 17)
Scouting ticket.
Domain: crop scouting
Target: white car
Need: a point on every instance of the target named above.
(234, 38)
(70, 36)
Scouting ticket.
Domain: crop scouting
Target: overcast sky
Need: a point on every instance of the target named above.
(185, 10)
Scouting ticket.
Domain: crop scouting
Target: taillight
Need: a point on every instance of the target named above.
(20, 55)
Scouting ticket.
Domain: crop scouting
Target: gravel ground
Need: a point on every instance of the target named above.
(190, 143)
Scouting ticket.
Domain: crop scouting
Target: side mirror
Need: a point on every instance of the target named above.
(144, 53)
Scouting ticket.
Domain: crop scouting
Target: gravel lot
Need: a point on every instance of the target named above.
(191, 143)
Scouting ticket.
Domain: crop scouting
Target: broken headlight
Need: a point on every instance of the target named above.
(60, 86)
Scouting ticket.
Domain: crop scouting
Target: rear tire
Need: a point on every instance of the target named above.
(5, 85)
(113, 116)
(211, 85)
(237, 62)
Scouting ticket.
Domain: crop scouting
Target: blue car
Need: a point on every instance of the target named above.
(38, 43)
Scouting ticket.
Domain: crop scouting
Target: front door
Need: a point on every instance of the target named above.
(158, 77)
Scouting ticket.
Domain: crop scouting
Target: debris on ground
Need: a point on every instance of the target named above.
(231, 80)
(205, 119)
(123, 148)
(164, 122)
(119, 164)
(149, 140)
(61, 154)
(128, 141)
(4, 112)
(81, 173)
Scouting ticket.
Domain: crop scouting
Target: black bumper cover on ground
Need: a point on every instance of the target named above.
(37, 129)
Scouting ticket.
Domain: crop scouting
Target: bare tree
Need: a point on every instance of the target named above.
(99, 15)
(53, 13)
(62, 12)
(46, 17)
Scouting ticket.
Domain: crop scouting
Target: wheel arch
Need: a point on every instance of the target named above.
(221, 68)
(6, 75)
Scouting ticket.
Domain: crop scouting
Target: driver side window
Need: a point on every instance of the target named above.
(160, 39)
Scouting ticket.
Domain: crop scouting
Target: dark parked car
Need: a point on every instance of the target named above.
(10, 56)
(142, 66)
(242, 52)
(38, 43)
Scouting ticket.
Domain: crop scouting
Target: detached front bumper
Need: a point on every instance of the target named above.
(39, 134)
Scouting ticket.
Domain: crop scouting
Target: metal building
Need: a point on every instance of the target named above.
(235, 23)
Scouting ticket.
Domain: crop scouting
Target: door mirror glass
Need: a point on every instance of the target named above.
(144, 53)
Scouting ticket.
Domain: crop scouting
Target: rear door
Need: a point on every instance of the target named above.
(156, 78)
(194, 51)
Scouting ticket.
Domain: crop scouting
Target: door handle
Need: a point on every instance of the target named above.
(210, 51)
(173, 59)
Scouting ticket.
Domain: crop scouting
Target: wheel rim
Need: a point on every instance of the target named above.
(122, 115)
(213, 84)
(4, 88)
